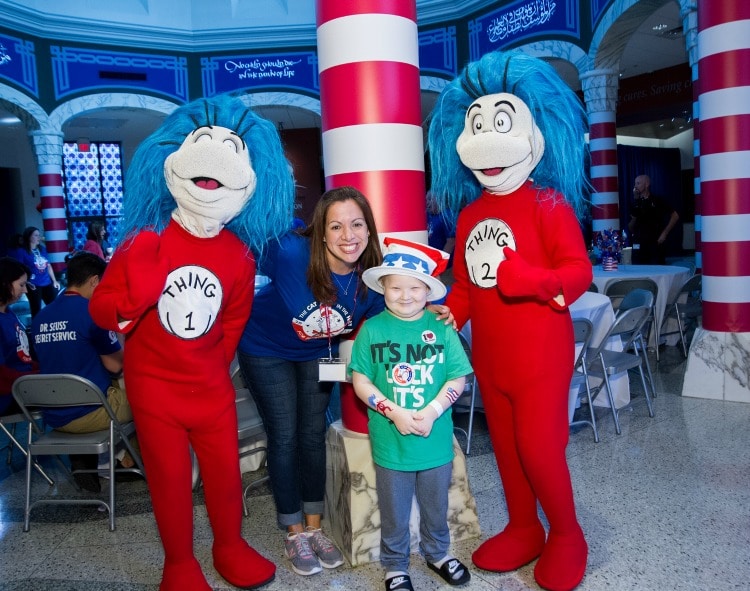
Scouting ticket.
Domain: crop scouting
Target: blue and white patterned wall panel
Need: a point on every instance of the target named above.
(18, 63)
(437, 51)
(77, 70)
(521, 20)
(293, 71)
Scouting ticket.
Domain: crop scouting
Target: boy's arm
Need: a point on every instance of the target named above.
(404, 420)
(449, 393)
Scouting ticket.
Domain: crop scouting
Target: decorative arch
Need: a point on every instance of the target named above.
(288, 99)
(562, 50)
(102, 101)
(615, 29)
(432, 83)
(22, 106)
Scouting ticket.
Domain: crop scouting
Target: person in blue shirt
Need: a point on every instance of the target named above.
(15, 352)
(66, 340)
(42, 284)
(315, 295)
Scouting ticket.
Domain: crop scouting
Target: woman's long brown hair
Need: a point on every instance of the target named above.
(318, 271)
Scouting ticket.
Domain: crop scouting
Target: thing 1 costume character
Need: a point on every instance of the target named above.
(507, 148)
(180, 287)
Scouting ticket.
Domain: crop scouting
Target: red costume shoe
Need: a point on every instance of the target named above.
(511, 549)
(182, 576)
(563, 562)
(242, 566)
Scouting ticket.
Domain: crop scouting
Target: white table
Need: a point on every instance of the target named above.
(668, 278)
(597, 308)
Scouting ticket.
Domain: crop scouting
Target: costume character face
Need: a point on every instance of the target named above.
(200, 168)
(346, 236)
(510, 147)
(211, 178)
(500, 143)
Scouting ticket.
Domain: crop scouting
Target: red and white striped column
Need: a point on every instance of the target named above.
(368, 60)
(600, 92)
(724, 105)
(48, 151)
(716, 368)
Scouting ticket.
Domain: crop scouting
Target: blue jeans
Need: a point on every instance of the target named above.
(395, 492)
(292, 403)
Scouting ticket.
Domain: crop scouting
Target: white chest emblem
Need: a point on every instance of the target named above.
(190, 302)
(484, 250)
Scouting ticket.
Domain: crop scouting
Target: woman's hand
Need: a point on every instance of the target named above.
(443, 312)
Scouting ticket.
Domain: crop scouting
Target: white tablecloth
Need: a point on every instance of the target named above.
(668, 278)
(598, 309)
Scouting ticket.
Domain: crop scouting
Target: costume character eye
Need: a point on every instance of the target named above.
(231, 144)
(503, 122)
(203, 137)
(477, 124)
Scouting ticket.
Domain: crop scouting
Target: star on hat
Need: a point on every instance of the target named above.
(403, 257)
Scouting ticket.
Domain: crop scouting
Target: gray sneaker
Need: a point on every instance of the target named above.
(328, 555)
(297, 550)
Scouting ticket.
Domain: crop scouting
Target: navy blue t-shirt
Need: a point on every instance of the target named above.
(287, 321)
(15, 353)
(66, 340)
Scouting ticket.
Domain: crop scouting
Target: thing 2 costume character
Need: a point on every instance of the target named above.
(507, 147)
(180, 287)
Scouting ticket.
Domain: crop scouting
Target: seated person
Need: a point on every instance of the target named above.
(15, 353)
(66, 340)
(96, 240)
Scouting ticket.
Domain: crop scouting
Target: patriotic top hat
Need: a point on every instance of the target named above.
(402, 257)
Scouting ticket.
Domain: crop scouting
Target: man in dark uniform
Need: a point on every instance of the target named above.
(651, 220)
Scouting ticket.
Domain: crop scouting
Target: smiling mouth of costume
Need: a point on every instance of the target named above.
(491, 171)
(207, 183)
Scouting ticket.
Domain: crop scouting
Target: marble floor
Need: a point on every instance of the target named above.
(665, 506)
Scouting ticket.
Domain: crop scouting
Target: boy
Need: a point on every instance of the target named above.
(409, 368)
(67, 340)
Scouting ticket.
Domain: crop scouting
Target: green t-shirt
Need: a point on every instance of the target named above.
(409, 362)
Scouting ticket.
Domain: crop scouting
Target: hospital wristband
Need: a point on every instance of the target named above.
(438, 408)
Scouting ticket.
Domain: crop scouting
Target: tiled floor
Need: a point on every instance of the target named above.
(665, 506)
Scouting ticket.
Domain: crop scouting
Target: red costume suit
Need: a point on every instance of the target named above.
(522, 352)
(176, 367)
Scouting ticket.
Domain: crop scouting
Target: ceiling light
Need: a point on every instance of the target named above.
(10, 120)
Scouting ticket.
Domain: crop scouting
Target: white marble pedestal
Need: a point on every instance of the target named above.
(718, 366)
(352, 502)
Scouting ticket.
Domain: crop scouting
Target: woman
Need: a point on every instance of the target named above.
(95, 240)
(314, 296)
(42, 283)
(15, 353)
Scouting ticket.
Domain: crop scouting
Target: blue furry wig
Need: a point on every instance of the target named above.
(148, 204)
(557, 112)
